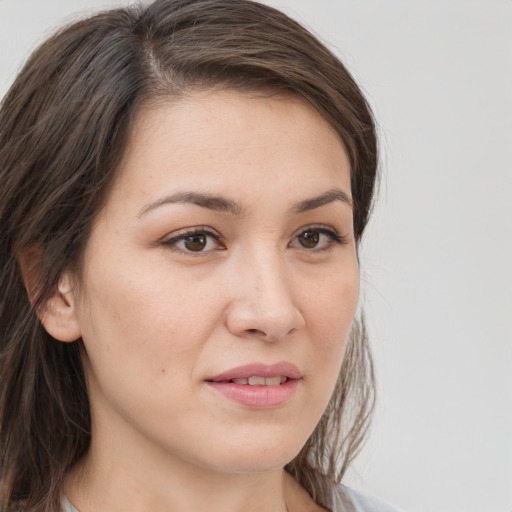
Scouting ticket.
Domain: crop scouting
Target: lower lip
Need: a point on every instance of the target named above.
(257, 397)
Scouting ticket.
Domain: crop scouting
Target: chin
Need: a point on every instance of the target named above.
(254, 457)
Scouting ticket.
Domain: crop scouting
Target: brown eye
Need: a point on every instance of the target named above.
(309, 239)
(195, 243)
(317, 239)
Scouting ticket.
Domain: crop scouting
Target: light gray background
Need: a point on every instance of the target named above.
(438, 255)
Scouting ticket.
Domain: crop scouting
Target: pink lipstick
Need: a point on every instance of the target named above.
(258, 386)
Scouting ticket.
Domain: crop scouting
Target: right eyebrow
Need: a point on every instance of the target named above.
(211, 202)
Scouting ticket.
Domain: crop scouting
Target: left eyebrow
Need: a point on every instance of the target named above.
(330, 196)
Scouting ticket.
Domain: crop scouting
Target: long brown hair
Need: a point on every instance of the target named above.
(64, 126)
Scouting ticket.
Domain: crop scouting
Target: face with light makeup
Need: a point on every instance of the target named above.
(226, 241)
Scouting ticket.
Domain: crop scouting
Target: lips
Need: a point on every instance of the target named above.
(258, 386)
(281, 369)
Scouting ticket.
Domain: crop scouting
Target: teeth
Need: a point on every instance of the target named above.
(261, 381)
(273, 381)
(256, 381)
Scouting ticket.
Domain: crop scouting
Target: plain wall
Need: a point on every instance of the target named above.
(437, 259)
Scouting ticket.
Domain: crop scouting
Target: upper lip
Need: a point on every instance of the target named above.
(282, 369)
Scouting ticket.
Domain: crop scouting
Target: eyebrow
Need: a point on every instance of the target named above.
(330, 196)
(215, 203)
(222, 204)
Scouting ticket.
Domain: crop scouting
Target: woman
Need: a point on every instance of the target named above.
(183, 190)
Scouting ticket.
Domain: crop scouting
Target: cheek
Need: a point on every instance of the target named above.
(332, 309)
(143, 338)
(143, 324)
(330, 315)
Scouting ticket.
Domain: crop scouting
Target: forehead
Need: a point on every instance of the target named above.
(243, 142)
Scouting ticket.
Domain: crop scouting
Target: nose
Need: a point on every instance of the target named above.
(263, 304)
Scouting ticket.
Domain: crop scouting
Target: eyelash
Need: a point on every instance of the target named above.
(171, 243)
(334, 238)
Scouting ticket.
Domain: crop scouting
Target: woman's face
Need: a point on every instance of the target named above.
(225, 251)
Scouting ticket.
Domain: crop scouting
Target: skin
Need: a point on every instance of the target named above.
(157, 319)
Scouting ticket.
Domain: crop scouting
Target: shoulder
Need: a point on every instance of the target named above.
(66, 505)
(348, 499)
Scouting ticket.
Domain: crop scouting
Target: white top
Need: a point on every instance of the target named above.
(344, 499)
(348, 500)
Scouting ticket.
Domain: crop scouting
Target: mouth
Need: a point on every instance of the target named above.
(259, 374)
(255, 380)
(258, 386)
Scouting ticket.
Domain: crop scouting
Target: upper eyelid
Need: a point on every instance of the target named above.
(180, 233)
(320, 227)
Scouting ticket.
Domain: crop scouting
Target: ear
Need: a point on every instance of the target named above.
(58, 314)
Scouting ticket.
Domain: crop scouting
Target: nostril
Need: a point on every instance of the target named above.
(256, 331)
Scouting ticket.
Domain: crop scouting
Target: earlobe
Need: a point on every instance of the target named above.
(58, 313)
